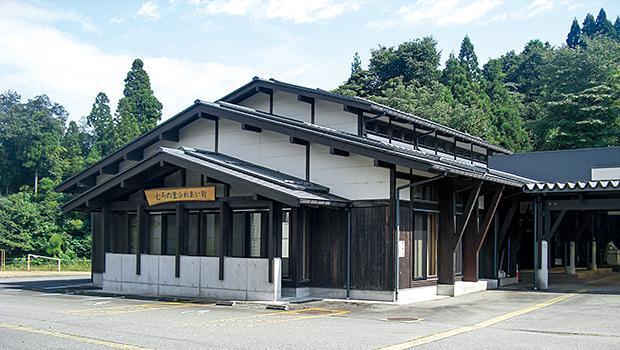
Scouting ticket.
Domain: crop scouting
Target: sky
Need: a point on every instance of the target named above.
(203, 49)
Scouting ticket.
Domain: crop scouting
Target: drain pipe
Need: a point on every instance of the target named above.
(348, 209)
(397, 223)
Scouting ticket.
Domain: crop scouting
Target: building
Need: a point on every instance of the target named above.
(278, 190)
(571, 214)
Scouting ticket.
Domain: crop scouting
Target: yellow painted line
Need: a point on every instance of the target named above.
(123, 309)
(69, 336)
(453, 332)
(266, 318)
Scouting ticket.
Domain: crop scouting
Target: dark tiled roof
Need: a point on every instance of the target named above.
(567, 187)
(370, 105)
(437, 162)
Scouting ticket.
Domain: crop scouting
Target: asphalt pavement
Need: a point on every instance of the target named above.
(54, 313)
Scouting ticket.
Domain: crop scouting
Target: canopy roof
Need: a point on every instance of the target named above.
(263, 181)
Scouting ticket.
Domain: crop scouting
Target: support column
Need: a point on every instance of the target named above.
(470, 248)
(446, 235)
(274, 232)
(106, 219)
(180, 233)
(224, 232)
(141, 236)
(543, 272)
(570, 260)
(592, 264)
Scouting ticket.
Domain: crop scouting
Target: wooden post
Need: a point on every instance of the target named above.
(180, 234)
(274, 231)
(224, 232)
(106, 223)
(140, 219)
(446, 235)
(470, 251)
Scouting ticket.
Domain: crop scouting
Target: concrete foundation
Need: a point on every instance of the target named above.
(244, 278)
(543, 273)
(570, 260)
(508, 281)
(97, 279)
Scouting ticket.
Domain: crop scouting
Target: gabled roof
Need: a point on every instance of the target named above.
(391, 153)
(258, 84)
(266, 182)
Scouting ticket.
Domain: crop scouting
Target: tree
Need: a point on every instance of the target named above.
(574, 36)
(617, 27)
(416, 61)
(506, 109)
(356, 65)
(603, 25)
(581, 99)
(139, 110)
(589, 26)
(74, 144)
(469, 60)
(102, 124)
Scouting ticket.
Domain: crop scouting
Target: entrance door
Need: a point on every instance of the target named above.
(425, 245)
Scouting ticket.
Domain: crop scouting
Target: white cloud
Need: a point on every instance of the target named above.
(535, 8)
(40, 59)
(297, 11)
(149, 10)
(29, 12)
(439, 12)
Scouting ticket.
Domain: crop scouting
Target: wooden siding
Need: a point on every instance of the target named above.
(328, 252)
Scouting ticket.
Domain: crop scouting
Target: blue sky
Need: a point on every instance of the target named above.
(201, 49)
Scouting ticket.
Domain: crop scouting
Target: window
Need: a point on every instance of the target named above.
(211, 224)
(170, 237)
(155, 235)
(192, 243)
(424, 245)
(286, 219)
(249, 234)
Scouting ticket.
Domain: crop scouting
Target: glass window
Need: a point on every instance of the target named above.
(132, 233)
(432, 245)
(419, 243)
(193, 230)
(238, 235)
(155, 234)
(255, 235)
(286, 217)
(171, 239)
(211, 223)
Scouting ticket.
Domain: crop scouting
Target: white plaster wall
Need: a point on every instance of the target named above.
(259, 101)
(354, 177)
(286, 104)
(244, 278)
(199, 134)
(266, 148)
(605, 173)
(333, 115)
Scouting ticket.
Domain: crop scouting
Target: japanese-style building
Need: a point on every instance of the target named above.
(278, 190)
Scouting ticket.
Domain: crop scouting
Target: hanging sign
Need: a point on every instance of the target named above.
(157, 196)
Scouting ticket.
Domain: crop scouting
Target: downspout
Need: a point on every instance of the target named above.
(348, 209)
(397, 223)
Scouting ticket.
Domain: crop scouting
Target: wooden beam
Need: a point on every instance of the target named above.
(472, 203)
(383, 164)
(556, 224)
(134, 155)
(180, 233)
(507, 222)
(224, 233)
(488, 218)
(141, 235)
(248, 127)
(170, 135)
(338, 152)
(298, 141)
(110, 169)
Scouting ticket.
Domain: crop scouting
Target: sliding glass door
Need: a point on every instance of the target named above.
(424, 245)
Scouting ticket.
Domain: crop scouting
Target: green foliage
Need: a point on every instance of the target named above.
(581, 97)
(38, 148)
(139, 110)
(574, 36)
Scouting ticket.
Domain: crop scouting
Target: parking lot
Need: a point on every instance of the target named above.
(41, 312)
